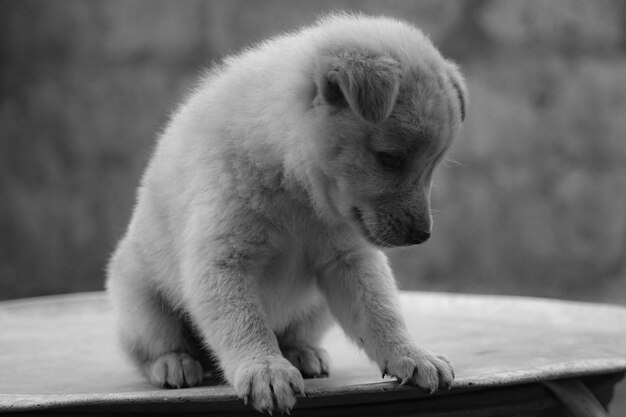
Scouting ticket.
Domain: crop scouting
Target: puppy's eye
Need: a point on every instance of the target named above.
(390, 161)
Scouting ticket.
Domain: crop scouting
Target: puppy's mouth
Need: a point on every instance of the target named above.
(358, 217)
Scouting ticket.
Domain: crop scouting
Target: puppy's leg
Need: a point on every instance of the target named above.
(150, 332)
(226, 311)
(362, 295)
(300, 341)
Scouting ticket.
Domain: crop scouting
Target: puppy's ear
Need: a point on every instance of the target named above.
(459, 85)
(368, 84)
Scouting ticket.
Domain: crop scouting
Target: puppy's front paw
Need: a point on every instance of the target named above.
(311, 361)
(174, 370)
(419, 367)
(269, 384)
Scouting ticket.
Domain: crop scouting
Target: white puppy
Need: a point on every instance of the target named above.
(267, 200)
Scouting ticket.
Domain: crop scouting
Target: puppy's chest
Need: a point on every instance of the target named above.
(288, 284)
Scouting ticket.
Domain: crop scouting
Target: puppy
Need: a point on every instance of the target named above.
(261, 216)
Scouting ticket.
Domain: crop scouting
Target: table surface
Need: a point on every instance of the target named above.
(62, 349)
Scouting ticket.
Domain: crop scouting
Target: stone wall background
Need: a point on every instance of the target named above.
(532, 200)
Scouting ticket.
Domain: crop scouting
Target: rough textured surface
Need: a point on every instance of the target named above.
(61, 351)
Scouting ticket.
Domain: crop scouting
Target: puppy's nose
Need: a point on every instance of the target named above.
(418, 236)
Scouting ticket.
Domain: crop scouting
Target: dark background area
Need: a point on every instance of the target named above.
(531, 202)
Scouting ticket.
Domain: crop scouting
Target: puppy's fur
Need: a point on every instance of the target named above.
(263, 210)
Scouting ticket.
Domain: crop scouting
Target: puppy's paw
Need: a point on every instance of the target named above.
(419, 367)
(269, 385)
(311, 361)
(174, 370)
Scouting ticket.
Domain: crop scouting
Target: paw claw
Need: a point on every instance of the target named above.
(297, 390)
(269, 385)
(419, 367)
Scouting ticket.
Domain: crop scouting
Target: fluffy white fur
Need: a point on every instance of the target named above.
(261, 214)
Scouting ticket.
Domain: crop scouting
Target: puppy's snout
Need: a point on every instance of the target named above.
(417, 236)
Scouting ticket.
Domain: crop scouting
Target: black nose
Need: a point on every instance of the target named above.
(418, 236)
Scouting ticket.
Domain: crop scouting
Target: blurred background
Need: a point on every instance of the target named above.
(533, 201)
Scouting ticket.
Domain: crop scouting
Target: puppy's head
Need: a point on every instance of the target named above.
(385, 124)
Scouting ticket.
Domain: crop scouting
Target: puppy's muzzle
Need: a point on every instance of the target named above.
(392, 233)
(417, 236)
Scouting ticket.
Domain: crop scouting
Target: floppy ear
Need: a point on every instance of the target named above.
(368, 84)
(459, 85)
